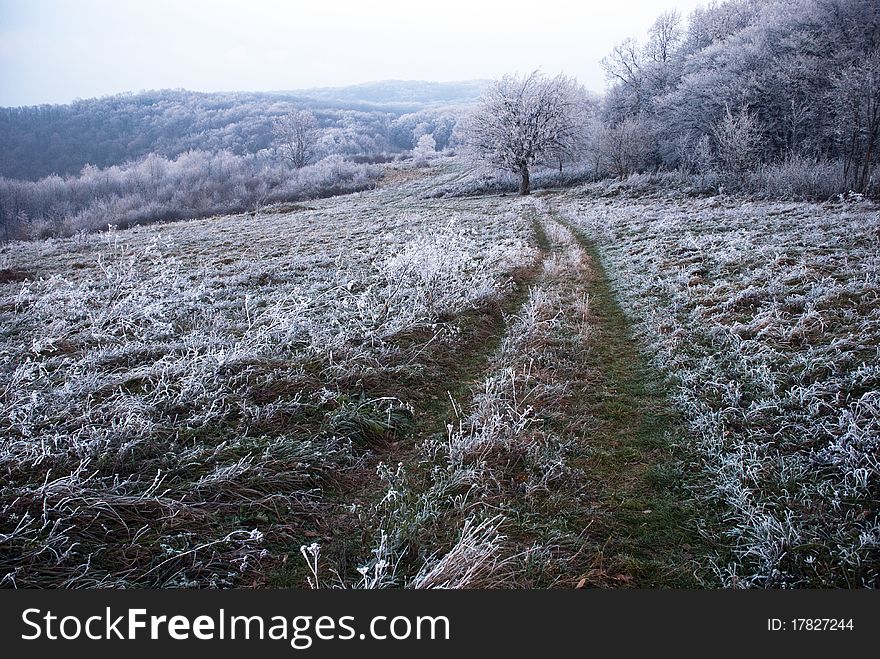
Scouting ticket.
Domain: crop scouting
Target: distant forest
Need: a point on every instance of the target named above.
(356, 121)
(771, 98)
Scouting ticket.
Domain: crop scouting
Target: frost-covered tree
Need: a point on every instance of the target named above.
(807, 70)
(424, 149)
(524, 121)
(623, 149)
(297, 136)
(737, 138)
(855, 96)
(640, 73)
(665, 36)
(625, 71)
(585, 115)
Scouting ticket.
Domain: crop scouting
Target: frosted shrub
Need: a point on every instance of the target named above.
(737, 142)
(424, 150)
(797, 178)
(443, 272)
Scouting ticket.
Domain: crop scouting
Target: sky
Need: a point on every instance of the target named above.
(55, 51)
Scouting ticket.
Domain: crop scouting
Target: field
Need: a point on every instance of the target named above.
(397, 388)
(766, 319)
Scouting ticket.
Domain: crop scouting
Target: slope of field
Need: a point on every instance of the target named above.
(389, 389)
(767, 319)
(172, 395)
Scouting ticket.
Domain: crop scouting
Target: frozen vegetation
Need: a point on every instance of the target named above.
(766, 318)
(395, 382)
(171, 395)
(266, 339)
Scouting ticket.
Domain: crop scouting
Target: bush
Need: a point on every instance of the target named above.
(798, 178)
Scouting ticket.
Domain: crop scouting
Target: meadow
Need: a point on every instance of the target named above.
(426, 386)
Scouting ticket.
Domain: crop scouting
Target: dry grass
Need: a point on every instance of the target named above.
(176, 400)
(766, 317)
(189, 404)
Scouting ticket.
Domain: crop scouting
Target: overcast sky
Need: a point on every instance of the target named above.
(52, 51)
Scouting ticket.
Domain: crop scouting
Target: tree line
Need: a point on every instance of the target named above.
(156, 188)
(172, 155)
(43, 140)
(773, 93)
(747, 82)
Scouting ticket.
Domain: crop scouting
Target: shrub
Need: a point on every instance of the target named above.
(196, 184)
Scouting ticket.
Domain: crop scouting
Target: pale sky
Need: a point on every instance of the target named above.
(52, 51)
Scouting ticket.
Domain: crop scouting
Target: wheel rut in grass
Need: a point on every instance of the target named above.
(644, 529)
(345, 532)
(586, 474)
(542, 426)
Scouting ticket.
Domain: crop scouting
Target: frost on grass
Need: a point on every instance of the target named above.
(474, 561)
(767, 317)
(498, 450)
(171, 397)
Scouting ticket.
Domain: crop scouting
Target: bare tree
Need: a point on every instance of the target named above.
(521, 122)
(855, 95)
(585, 116)
(665, 36)
(625, 148)
(625, 67)
(297, 137)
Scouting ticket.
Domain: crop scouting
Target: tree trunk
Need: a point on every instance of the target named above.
(868, 160)
(524, 185)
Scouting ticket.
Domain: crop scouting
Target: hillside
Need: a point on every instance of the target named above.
(362, 119)
(393, 389)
